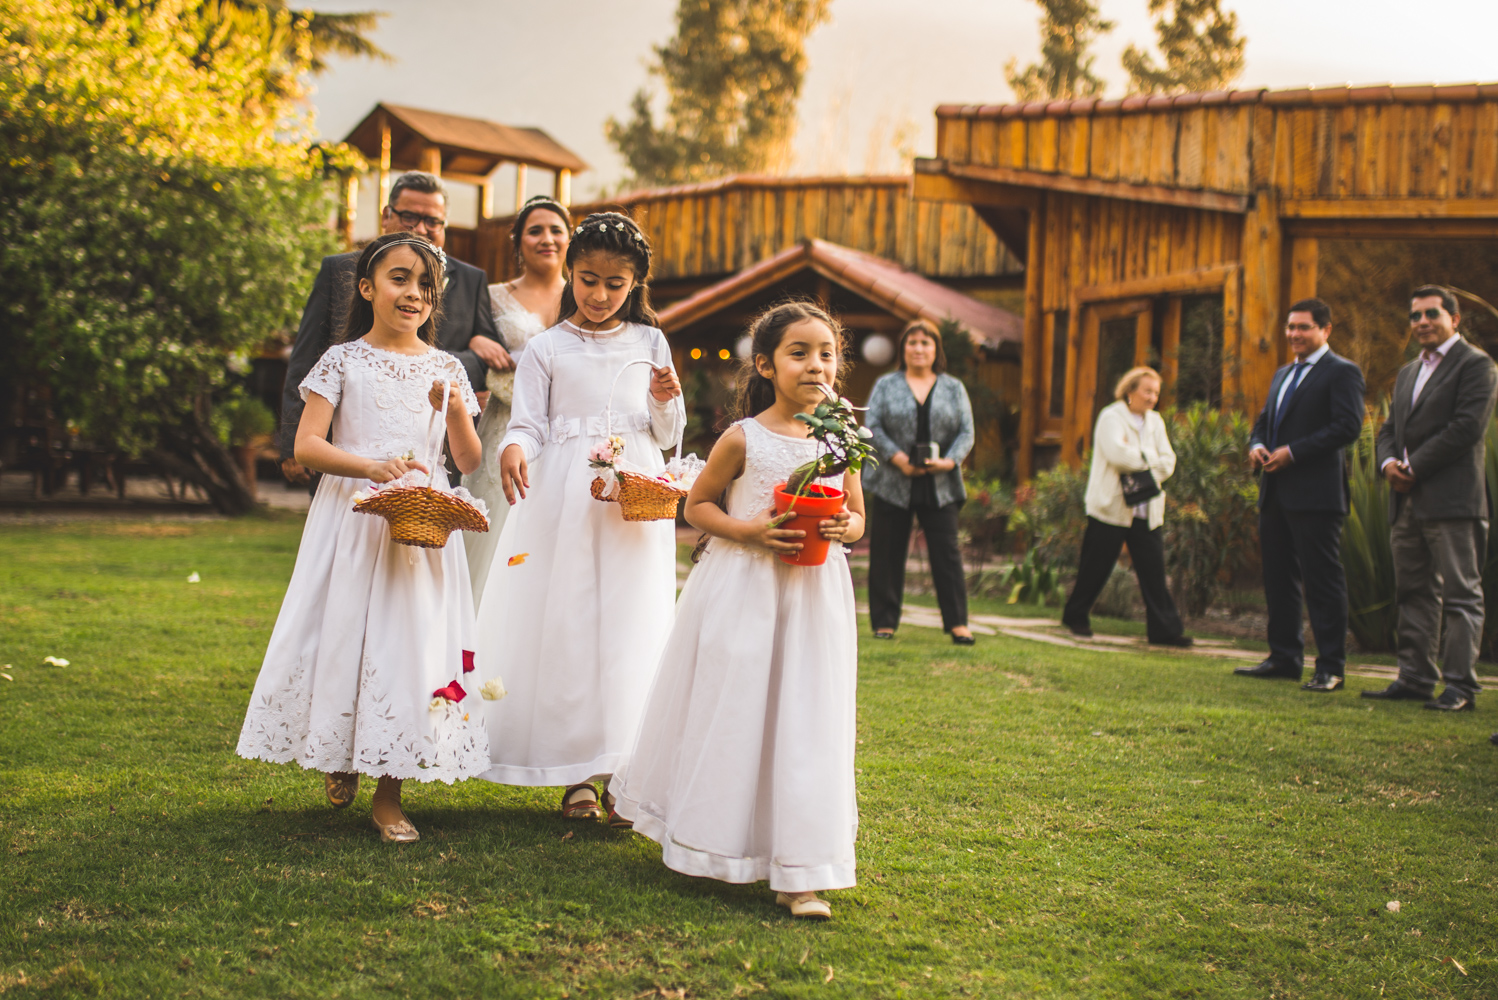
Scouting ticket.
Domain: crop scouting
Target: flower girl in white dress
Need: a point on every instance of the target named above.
(370, 630)
(743, 769)
(523, 308)
(579, 601)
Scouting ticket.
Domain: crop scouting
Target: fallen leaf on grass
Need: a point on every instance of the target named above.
(517, 559)
(804, 956)
(1392, 906)
(567, 835)
(1454, 962)
(827, 978)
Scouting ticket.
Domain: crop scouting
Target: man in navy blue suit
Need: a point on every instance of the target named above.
(1314, 411)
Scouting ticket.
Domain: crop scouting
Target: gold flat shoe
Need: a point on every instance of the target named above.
(810, 909)
(401, 832)
(341, 789)
(582, 808)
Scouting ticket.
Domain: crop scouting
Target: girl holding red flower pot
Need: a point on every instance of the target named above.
(743, 767)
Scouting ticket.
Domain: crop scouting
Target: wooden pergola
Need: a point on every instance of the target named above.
(1124, 209)
(456, 148)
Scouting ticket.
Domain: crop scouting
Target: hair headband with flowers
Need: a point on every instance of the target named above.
(417, 241)
(603, 227)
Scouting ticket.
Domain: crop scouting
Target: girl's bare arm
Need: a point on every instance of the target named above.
(315, 451)
(724, 465)
(462, 439)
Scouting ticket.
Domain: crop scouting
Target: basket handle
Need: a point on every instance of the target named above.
(608, 411)
(441, 415)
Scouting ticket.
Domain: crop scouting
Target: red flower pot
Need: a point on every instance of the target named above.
(814, 506)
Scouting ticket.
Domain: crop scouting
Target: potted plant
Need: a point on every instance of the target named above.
(800, 503)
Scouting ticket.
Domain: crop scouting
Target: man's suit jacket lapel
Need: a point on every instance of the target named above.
(1305, 380)
(1444, 371)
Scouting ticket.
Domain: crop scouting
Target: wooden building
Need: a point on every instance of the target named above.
(458, 148)
(1175, 230)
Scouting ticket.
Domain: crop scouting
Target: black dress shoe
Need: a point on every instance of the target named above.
(1272, 670)
(1080, 631)
(1398, 691)
(1452, 701)
(963, 640)
(1324, 682)
(1493, 739)
(884, 635)
(1181, 640)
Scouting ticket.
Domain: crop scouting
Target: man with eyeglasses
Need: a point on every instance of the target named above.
(1313, 412)
(418, 204)
(1431, 450)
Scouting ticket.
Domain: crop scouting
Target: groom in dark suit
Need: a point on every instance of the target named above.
(1431, 450)
(418, 204)
(1314, 411)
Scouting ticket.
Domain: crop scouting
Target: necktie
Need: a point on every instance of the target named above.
(1296, 372)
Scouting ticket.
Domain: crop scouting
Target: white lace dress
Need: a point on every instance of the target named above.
(578, 601)
(370, 629)
(518, 326)
(743, 769)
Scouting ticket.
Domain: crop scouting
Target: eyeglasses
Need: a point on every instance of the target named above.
(1430, 314)
(413, 219)
(1300, 327)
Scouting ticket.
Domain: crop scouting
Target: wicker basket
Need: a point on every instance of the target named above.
(420, 515)
(640, 498)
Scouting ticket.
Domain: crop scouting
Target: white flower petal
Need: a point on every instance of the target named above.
(56, 661)
(193, 577)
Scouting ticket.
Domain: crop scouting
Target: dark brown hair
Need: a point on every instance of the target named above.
(755, 393)
(1448, 301)
(929, 329)
(1321, 313)
(361, 311)
(617, 236)
(538, 201)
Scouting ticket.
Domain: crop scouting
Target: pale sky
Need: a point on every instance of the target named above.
(877, 69)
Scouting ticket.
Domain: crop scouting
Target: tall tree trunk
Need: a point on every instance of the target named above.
(191, 452)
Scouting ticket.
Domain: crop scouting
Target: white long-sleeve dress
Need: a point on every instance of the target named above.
(369, 629)
(743, 769)
(578, 601)
(517, 326)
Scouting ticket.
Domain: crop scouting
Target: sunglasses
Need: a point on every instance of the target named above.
(1430, 314)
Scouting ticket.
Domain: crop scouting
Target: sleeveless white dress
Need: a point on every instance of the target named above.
(370, 629)
(518, 326)
(578, 601)
(743, 768)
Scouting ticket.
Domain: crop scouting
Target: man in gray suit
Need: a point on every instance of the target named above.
(1431, 451)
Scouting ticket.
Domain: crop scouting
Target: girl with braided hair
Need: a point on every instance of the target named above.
(578, 601)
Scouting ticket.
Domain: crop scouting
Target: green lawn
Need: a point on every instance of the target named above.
(1037, 822)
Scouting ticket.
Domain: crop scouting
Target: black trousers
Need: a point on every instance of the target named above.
(889, 545)
(1302, 552)
(1101, 544)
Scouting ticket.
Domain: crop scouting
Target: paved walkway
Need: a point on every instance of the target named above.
(1050, 630)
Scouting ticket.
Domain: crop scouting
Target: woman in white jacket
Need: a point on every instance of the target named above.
(1130, 437)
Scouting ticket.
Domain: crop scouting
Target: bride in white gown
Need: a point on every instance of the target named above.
(523, 308)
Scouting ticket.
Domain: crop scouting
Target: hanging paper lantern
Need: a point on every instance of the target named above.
(877, 349)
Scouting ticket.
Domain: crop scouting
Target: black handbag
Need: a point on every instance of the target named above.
(1139, 487)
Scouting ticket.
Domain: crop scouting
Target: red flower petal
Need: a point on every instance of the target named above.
(453, 692)
(467, 661)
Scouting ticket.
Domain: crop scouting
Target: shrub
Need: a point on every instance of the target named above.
(1366, 554)
(1051, 514)
(983, 521)
(1211, 521)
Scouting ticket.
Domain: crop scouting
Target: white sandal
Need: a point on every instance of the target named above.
(810, 907)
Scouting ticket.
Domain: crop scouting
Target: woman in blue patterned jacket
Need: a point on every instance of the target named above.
(922, 422)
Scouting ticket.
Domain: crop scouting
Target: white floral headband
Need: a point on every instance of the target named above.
(417, 242)
(603, 227)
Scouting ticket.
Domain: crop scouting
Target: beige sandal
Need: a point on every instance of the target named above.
(399, 832)
(809, 907)
(341, 789)
(582, 808)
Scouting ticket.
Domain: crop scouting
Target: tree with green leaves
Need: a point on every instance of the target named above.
(732, 75)
(159, 216)
(1201, 46)
(1067, 31)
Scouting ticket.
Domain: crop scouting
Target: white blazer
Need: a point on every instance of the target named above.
(1118, 447)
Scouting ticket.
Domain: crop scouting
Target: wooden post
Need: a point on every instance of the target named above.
(1170, 350)
(1304, 253)
(519, 185)
(350, 209)
(384, 120)
(1030, 396)
(431, 160)
(1249, 363)
(563, 191)
(486, 200)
